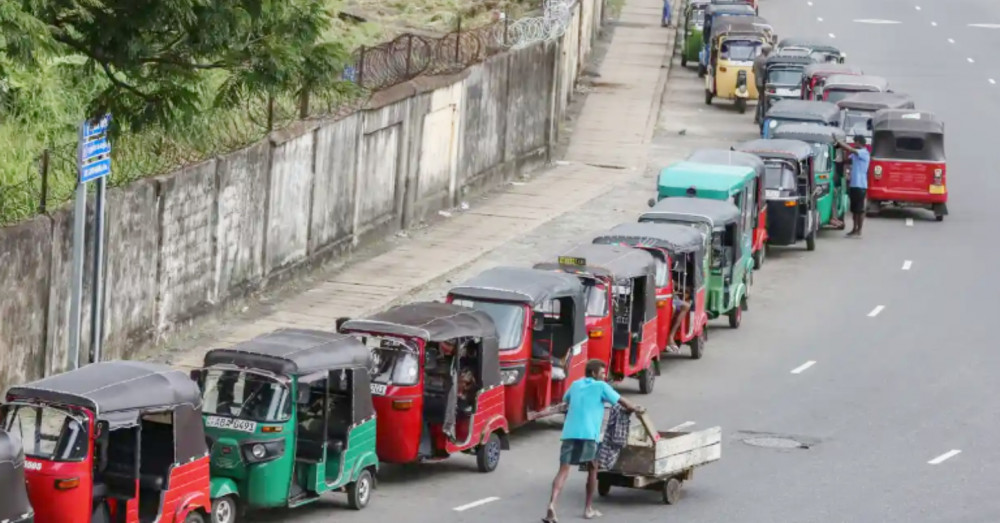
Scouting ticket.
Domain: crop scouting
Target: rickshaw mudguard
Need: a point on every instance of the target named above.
(197, 501)
(496, 424)
(221, 487)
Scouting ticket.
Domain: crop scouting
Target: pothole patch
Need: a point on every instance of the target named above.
(770, 440)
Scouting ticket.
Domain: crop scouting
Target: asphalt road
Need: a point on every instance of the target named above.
(898, 325)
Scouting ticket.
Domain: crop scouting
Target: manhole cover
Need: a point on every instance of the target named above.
(773, 442)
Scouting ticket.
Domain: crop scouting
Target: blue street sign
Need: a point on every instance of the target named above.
(91, 130)
(94, 149)
(93, 171)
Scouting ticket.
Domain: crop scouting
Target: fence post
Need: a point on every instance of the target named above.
(506, 26)
(44, 171)
(409, 54)
(270, 112)
(458, 39)
(361, 68)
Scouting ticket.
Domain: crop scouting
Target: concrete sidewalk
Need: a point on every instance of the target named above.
(608, 146)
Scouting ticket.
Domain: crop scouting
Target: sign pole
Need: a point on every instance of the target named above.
(97, 308)
(79, 238)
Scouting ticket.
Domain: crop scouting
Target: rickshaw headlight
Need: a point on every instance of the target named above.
(878, 172)
(509, 376)
(258, 451)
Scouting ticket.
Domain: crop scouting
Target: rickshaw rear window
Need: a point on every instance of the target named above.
(245, 395)
(821, 157)
(508, 318)
(835, 96)
(48, 433)
(910, 144)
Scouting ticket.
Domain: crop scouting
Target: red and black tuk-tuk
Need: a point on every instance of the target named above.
(113, 441)
(908, 165)
(814, 77)
(15, 507)
(541, 323)
(621, 308)
(443, 393)
(680, 275)
(730, 157)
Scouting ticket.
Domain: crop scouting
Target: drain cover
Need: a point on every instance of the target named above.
(773, 442)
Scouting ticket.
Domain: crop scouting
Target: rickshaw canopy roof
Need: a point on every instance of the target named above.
(14, 502)
(777, 148)
(778, 59)
(430, 321)
(714, 213)
(675, 239)
(805, 110)
(735, 27)
(857, 81)
(118, 391)
(728, 178)
(815, 45)
(810, 132)
(832, 68)
(874, 101)
(908, 121)
(522, 285)
(610, 260)
(726, 157)
(294, 352)
(730, 9)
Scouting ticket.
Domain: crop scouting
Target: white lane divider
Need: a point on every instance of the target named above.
(832, 35)
(933, 24)
(946, 456)
(803, 367)
(877, 21)
(909, 222)
(951, 40)
(475, 504)
(819, 18)
(918, 7)
(681, 426)
(993, 82)
(907, 264)
(810, 4)
(986, 26)
(970, 60)
(876, 311)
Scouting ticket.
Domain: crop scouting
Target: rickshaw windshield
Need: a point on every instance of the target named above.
(394, 361)
(856, 122)
(597, 300)
(821, 157)
(784, 77)
(508, 318)
(698, 18)
(48, 433)
(740, 50)
(779, 176)
(245, 395)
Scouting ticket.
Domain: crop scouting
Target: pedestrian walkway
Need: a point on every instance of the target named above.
(607, 146)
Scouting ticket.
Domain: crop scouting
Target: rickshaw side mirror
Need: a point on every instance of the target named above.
(340, 322)
(651, 202)
(538, 321)
(101, 444)
(303, 396)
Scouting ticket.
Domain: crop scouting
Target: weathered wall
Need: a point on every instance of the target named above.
(184, 243)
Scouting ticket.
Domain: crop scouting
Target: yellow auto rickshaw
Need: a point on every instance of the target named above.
(733, 49)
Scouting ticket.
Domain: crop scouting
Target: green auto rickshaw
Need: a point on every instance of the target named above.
(828, 166)
(734, 183)
(288, 416)
(693, 27)
(731, 266)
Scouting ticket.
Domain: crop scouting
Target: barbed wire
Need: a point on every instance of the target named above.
(555, 19)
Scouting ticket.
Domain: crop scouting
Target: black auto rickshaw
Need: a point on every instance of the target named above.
(793, 214)
(14, 504)
(799, 111)
(819, 51)
(783, 78)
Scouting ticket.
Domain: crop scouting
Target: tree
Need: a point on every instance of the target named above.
(163, 57)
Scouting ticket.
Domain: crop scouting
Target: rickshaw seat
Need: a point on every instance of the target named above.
(336, 446)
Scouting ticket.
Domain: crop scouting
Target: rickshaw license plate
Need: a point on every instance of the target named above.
(937, 189)
(378, 389)
(241, 425)
(771, 193)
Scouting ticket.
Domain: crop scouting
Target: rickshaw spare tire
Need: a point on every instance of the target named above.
(226, 507)
(359, 493)
(488, 454)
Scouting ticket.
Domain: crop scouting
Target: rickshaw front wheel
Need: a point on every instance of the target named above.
(488, 454)
(359, 493)
(195, 517)
(225, 510)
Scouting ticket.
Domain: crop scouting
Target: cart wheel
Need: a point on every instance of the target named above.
(697, 344)
(671, 491)
(603, 487)
(736, 317)
(225, 510)
(488, 454)
(647, 379)
(359, 493)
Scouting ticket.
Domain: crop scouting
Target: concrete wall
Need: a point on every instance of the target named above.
(182, 244)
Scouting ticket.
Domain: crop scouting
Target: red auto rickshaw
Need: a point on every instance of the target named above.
(680, 274)
(908, 166)
(541, 323)
(759, 191)
(15, 507)
(113, 441)
(621, 308)
(814, 77)
(444, 395)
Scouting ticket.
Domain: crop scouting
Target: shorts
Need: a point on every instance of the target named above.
(857, 199)
(680, 304)
(577, 451)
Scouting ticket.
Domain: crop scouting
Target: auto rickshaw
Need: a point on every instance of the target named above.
(857, 111)
(437, 391)
(621, 308)
(751, 3)
(289, 417)
(730, 157)
(828, 166)
(113, 441)
(712, 14)
(15, 507)
(733, 48)
(819, 51)
(681, 266)
(840, 86)
(799, 111)
(784, 78)
(731, 265)
(542, 324)
(791, 190)
(908, 164)
(692, 31)
(814, 77)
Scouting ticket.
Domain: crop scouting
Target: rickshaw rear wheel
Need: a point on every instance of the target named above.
(488, 454)
(225, 510)
(671, 491)
(195, 517)
(603, 486)
(697, 344)
(359, 493)
(736, 317)
(741, 105)
(647, 379)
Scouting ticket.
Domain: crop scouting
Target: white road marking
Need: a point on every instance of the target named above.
(833, 35)
(986, 26)
(475, 504)
(877, 21)
(907, 264)
(810, 4)
(819, 18)
(804, 366)
(876, 311)
(909, 222)
(947, 455)
(681, 426)
(971, 61)
(918, 7)
(933, 24)
(992, 81)
(951, 40)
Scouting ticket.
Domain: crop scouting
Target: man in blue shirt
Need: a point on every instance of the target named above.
(582, 430)
(860, 159)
